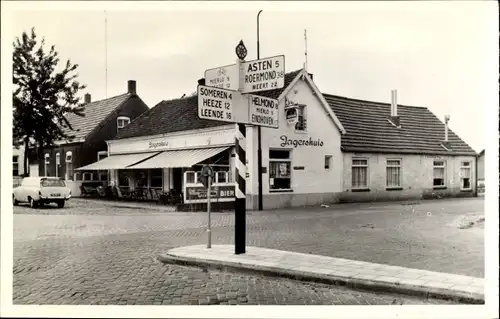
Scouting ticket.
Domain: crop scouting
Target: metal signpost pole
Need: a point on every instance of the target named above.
(209, 231)
(259, 138)
(240, 144)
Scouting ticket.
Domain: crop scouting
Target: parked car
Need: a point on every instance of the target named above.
(41, 190)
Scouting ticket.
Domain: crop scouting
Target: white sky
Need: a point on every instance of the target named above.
(436, 54)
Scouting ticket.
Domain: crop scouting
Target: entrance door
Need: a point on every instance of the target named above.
(177, 177)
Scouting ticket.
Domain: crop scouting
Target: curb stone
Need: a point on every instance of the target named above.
(350, 282)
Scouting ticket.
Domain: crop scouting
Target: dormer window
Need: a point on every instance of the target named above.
(122, 121)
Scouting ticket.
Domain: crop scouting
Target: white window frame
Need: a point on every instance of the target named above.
(58, 163)
(122, 118)
(360, 165)
(301, 125)
(469, 167)
(46, 163)
(400, 172)
(281, 160)
(86, 174)
(68, 159)
(328, 162)
(14, 164)
(443, 166)
(100, 153)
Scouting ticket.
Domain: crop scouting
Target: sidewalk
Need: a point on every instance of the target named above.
(351, 273)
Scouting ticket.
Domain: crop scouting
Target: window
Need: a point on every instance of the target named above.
(157, 178)
(359, 173)
(328, 161)
(439, 174)
(52, 182)
(58, 163)
(87, 176)
(123, 179)
(190, 177)
(102, 155)
(15, 165)
(69, 166)
(393, 173)
(465, 176)
(122, 121)
(103, 176)
(301, 124)
(221, 177)
(279, 170)
(46, 165)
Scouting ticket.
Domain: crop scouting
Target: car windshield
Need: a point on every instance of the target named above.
(52, 183)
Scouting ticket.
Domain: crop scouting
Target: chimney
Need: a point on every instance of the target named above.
(394, 108)
(446, 120)
(87, 98)
(201, 81)
(132, 87)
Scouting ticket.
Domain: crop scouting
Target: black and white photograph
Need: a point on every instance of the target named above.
(189, 156)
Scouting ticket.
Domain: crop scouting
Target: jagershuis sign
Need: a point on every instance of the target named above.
(286, 141)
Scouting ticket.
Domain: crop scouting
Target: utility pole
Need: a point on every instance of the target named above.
(259, 136)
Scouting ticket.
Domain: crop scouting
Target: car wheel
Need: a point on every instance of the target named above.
(33, 203)
(14, 200)
(60, 204)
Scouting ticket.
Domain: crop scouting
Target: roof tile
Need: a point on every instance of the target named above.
(95, 113)
(368, 128)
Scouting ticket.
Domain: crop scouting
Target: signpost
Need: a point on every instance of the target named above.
(264, 74)
(263, 111)
(258, 75)
(206, 179)
(215, 103)
(221, 100)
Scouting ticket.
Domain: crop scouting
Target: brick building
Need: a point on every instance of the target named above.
(102, 121)
(327, 149)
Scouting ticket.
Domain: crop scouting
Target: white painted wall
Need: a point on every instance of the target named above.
(314, 178)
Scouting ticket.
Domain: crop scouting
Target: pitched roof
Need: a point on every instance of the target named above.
(95, 113)
(368, 129)
(181, 114)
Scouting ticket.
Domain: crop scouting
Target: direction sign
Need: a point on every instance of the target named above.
(216, 104)
(224, 77)
(264, 74)
(263, 111)
(259, 75)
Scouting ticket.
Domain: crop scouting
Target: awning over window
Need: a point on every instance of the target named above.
(179, 158)
(117, 161)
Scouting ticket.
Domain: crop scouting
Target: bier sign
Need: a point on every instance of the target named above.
(215, 103)
(263, 111)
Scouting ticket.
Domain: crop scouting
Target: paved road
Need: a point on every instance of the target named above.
(94, 253)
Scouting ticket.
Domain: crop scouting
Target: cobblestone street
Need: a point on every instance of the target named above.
(93, 252)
